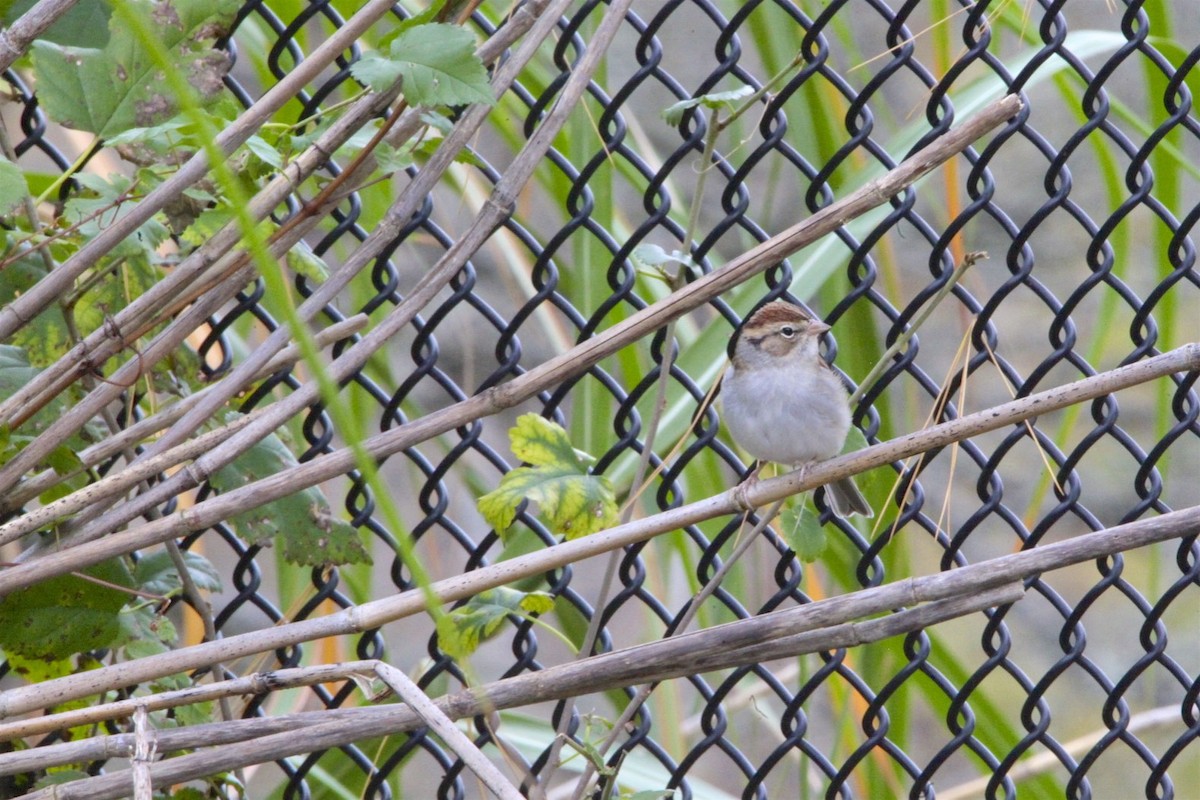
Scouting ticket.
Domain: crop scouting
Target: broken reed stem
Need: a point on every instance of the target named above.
(454, 739)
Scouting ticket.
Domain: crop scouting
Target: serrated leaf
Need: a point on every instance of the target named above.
(539, 442)
(156, 573)
(674, 114)
(15, 370)
(438, 64)
(119, 87)
(571, 503)
(570, 500)
(145, 632)
(39, 342)
(63, 460)
(206, 225)
(303, 522)
(152, 133)
(461, 631)
(803, 533)
(61, 616)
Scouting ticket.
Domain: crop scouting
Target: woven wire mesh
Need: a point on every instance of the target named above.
(1086, 652)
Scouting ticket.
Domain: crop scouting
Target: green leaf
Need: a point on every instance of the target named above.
(438, 64)
(460, 631)
(855, 440)
(13, 188)
(119, 87)
(803, 533)
(105, 202)
(61, 616)
(653, 257)
(144, 632)
(674, 114)
(15, 370)
(264, 151)
(65, 462)
(304, 261)
(206, 225)
(571, 501)
(60, 777)
(156, 573)
(303, 521)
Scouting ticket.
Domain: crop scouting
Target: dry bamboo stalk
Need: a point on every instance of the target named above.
(144, 750)
(541, 686)
(378, 612)
(257, 683)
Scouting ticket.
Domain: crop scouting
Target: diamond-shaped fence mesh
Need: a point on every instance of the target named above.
(1086, 202)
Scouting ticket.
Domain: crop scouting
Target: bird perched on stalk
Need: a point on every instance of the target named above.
(781, 402)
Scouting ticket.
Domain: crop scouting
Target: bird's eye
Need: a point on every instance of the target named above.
(787, 331)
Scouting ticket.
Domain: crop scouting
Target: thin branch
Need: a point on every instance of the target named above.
(255, 684)
(885, 361)
(376, 613)
(16, 38)
(444, 727)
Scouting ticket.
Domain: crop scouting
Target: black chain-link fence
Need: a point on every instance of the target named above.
(1090, 687)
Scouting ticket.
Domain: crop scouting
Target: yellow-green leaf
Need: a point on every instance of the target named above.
(539, 441)
(460, 631)
(571, 501)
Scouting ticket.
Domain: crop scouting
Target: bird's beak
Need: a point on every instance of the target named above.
(816, 327)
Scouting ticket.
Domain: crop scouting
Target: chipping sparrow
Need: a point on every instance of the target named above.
(783, 403)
